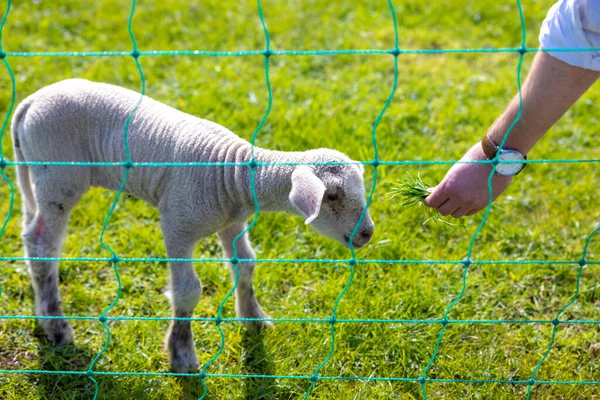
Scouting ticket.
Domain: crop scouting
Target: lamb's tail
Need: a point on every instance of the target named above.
(23, 176)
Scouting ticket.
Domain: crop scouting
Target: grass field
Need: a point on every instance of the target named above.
(443, 104)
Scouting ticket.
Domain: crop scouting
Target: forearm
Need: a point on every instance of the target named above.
(550, 89)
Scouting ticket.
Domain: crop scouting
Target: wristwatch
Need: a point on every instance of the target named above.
(490, 148)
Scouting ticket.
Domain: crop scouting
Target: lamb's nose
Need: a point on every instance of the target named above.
(366, 235)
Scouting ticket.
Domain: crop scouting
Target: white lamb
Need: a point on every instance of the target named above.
(79, 120)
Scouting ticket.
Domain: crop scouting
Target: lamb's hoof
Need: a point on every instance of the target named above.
(184, 363)
(59, 331)
(259, 326)
(180, 347)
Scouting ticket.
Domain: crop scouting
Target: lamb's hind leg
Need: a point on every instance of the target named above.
(246, 305)
(43, 237)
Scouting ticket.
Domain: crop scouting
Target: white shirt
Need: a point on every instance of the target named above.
(573, 24)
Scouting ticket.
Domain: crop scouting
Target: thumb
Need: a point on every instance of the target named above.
(436, 198)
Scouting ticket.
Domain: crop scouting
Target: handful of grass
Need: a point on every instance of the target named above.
(413, 191)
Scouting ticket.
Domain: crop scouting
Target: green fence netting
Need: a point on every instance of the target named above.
(267, 53)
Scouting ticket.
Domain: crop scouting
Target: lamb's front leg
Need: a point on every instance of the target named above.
(184, 294)
(246, 305)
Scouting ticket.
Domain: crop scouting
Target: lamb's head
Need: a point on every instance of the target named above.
(332, 197)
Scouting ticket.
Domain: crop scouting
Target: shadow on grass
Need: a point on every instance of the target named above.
(62, 358)
(255, 361)
(191, 388)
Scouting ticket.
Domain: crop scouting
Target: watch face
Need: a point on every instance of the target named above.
(512, 168)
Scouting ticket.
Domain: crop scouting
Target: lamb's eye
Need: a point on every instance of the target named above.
(332, 196)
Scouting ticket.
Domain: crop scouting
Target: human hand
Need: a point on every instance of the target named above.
(464, 189)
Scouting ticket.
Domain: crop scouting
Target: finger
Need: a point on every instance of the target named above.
(460, 212)
(436, 198)
(471, 212)
(448, 207)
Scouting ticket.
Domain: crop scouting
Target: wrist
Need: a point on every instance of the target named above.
(510, 161)
(522, 136)
(515, 140)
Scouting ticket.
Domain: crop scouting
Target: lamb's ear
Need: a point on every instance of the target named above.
(307, 192)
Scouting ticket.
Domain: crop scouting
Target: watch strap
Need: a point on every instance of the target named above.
(489, 147)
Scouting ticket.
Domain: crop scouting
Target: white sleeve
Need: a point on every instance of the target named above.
(573, 24)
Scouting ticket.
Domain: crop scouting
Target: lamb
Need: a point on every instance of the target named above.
(79, 120)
